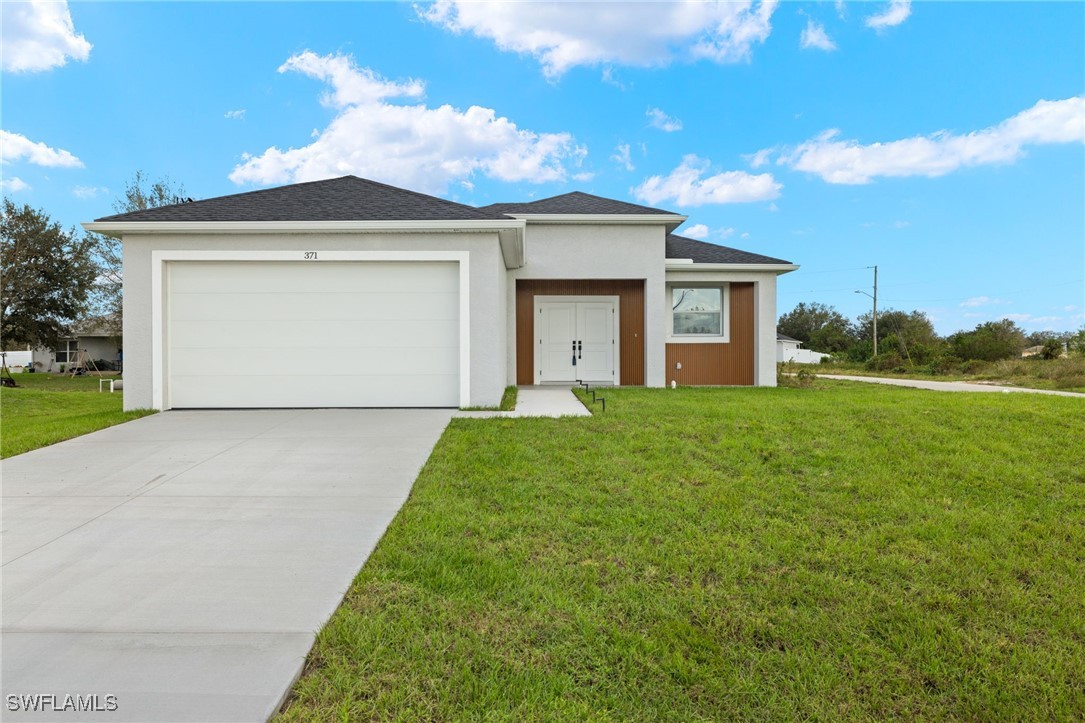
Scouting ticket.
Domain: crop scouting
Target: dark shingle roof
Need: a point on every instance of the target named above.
(348, 198)
(574, 203)
(680, 247)
(785, 337)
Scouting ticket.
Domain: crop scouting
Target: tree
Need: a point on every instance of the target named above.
(47, 276)
(990, 341)
(139, 194)
(820, 327)
(909, 334)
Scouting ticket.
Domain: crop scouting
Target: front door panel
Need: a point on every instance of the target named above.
(575, 341)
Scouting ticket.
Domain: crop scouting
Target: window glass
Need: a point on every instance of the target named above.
(697, 311)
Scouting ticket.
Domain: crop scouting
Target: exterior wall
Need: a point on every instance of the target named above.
(98, 347)
(487, 294)
(556, 252)
(785, 349)
(630, 319)
(749, 356)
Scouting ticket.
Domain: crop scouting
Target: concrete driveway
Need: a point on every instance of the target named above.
(184, 562)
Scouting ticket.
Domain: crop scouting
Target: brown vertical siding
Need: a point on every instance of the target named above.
(630, 295)
(723, 364)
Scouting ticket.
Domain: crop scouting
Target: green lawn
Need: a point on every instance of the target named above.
(47, 408)
(842, 551)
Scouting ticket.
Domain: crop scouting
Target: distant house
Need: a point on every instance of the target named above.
(95, 336)
(789, 349)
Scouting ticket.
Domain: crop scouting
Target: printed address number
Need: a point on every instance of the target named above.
(310, 255)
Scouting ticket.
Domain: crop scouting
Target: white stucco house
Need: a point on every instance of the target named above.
(789, 349)
(96, 337)
(352, 293)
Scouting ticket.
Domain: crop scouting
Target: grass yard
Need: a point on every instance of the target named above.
(843, 551)
(46, 408)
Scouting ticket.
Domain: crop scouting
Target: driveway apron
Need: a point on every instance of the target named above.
(177, 567)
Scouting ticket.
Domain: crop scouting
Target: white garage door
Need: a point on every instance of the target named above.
(323, 334)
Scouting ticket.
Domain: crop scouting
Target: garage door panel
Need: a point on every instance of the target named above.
(302, 361)
(334, 277)
(338, 306)
(329, 334)
(290, 390)
(314, 334)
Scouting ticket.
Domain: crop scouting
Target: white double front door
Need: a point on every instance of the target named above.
(576, 339)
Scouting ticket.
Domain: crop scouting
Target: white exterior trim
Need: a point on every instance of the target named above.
(688, 265)
(204, 227)
(160, 294)
(625, 219)
(557, 299)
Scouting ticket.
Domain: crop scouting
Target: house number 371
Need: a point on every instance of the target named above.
(310, 255)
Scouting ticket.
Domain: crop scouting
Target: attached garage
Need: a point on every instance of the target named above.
(262, 334)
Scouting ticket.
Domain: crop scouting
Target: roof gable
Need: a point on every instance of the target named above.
(702, 252)
(348, 198)
(575, 202)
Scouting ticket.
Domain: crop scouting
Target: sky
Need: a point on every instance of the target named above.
(942, 142)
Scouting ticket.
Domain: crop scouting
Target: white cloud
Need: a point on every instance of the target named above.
(696, 231)
(977, 301)
(901, 224)
(410, 145)
(701, 231)
(610, 78)
(814, 36)
(89, 191)
(16, 147)
(564, 35)
(583, 176)
(238, 114)
(38, 35)
(14, 184)
(897, 12)
(687, 185)
(658, 119)
(621, 157)
(849, 162)
(760, 158)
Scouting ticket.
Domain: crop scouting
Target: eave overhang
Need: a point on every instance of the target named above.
(510, 231)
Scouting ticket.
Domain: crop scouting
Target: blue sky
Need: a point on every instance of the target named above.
(944, 142)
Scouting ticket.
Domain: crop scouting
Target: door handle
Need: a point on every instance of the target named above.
(574, 352)
(579, 350)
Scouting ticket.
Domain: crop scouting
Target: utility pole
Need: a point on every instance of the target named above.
(875, 311)
(875, 297)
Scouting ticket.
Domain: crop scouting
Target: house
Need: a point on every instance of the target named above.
(789, 349)
(348, 292)
(96, 336)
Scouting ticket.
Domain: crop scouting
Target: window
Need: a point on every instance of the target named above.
(697, 312)
(67, 351)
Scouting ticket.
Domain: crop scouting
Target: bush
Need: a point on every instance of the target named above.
(1052, 349)
(888, 362)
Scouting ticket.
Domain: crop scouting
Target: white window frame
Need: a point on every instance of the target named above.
(70, 351)
(725, 313)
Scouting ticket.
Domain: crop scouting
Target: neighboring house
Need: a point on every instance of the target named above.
(93, 336)
(789, 350)
(352, 293)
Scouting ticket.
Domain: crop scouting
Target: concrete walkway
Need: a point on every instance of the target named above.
(948, 386)
(184, 562)
(541, 401)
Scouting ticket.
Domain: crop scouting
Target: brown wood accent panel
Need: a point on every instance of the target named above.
(630, 293)
(720, 364)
